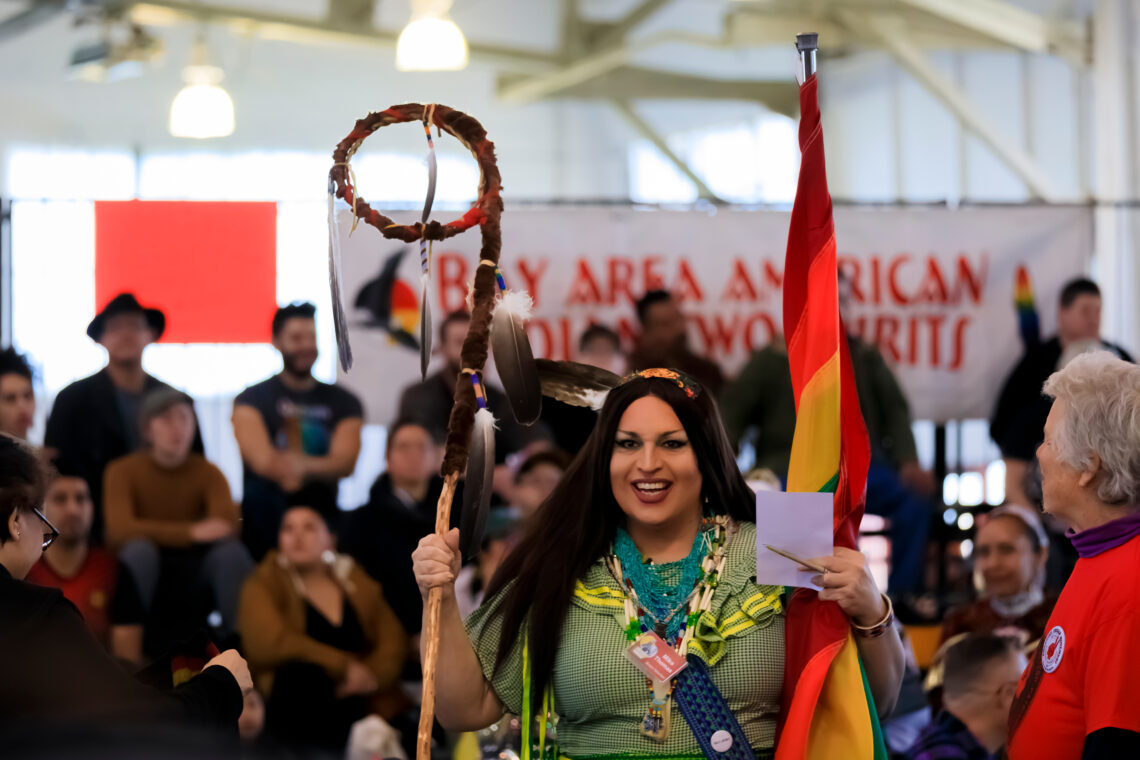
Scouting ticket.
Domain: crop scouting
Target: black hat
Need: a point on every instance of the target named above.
(126, 303)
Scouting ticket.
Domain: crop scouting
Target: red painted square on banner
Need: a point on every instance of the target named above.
(210, 266)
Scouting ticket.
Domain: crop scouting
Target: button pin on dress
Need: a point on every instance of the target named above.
(721, 741)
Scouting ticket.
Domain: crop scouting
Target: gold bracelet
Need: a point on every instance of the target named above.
(879, 628)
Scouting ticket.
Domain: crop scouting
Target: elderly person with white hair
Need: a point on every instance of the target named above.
(1079, 698)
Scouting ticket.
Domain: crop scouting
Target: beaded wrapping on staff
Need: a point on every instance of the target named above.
(699, 601)
(480, 396)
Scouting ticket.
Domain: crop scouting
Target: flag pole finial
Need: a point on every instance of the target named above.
(807, 45)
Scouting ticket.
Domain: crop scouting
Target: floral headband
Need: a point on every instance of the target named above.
(691, 388)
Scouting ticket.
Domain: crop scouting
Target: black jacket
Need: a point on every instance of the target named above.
(55, 669)
(85, 427)
(1018, 422)
(382, 535)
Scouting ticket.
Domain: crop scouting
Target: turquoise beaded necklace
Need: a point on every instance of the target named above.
(660, 598)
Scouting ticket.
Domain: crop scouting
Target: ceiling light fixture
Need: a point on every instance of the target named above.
(431, 41)
(202, 109)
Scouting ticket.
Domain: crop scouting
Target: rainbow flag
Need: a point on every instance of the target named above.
(1027, 325)
(828, 711)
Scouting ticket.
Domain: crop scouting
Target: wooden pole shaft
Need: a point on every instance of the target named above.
(431, 627)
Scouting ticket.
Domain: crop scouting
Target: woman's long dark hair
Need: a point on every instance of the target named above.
(577, 524)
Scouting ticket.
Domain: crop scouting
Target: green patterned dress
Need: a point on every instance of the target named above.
(600, 698)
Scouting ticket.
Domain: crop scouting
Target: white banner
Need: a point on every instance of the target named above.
(932, 287)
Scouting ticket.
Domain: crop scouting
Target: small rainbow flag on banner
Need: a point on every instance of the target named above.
(1027, 323)
(828, 710)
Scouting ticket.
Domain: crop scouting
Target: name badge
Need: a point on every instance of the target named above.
(655, 658)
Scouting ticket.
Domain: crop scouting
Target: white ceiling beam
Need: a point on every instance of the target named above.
(637, 83)
(891, 35)
(1008, 24)
(283, 27)
(593, 65)
(608, 52)
(616, 33)
(643, 128)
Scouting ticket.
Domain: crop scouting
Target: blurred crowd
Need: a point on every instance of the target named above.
(167, 570)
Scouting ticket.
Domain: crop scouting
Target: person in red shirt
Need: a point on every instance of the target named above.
(87, 575)
(1079, 696)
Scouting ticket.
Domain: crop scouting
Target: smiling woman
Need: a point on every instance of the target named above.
(646, 550)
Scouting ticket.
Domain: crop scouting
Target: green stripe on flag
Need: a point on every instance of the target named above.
(830, 485)
(876, 730)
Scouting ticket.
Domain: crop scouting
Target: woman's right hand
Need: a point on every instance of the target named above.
(436, 562)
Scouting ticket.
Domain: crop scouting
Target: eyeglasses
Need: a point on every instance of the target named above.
(48, 537)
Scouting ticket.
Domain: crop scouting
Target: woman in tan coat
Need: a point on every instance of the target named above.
(323, 645)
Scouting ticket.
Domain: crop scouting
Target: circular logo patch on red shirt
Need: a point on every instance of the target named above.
(1054, 649)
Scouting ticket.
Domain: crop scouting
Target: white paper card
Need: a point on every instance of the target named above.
(799, 523)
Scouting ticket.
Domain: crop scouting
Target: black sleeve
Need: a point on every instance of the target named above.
(57, 435)
(213, 695)
(1111, 744)
(247, 398)
(89, 681)
(1011, 401)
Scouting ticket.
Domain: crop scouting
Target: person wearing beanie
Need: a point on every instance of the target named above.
(172, 517)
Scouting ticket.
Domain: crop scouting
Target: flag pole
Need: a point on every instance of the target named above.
(807, 45)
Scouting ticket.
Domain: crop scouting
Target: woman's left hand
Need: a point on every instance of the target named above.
(848, 582)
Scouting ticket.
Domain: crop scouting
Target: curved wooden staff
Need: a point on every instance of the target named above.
(486, 212)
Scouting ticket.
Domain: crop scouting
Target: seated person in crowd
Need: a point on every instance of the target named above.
(294, 433)
(53, 667)
(87, 575)
(1018, 420)
(499, 537)
(96, 419)
(172, 517)
(17, 396)
(324, 646)
(982, 672)
(429, 402)
(382, 534)
(570, 425)
(664, 342)
(1010, 552)
(536, 479)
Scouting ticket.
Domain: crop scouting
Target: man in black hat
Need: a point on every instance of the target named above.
(96, 419)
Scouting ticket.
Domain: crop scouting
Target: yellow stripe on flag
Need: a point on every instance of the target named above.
(839, 726)
(815, 446)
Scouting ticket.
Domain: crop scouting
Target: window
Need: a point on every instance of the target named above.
(53, 261)
(754, 162)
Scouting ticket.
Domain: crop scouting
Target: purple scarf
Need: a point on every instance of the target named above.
(1112, 534)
